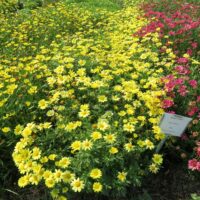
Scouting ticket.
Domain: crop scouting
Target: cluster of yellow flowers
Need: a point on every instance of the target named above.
(83, 97)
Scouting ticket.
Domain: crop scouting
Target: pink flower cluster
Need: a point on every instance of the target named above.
(182, 88)
(194, 164)
(179, 25)
(182, 84)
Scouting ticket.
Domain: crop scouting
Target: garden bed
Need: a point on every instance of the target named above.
(84, 85)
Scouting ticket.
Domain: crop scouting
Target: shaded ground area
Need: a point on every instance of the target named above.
(172, 184)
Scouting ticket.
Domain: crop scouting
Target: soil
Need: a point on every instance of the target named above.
(172, 183)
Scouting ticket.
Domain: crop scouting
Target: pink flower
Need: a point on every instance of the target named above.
(182, 60)
(193, 111)
(183, 90)
(170, 86)
(198, 98)
(192, 164)
(198, 151)
(172, 25)
(181, 69)
(179, 32)
(187, 27)
(167, 103)
(198, 166)
(194, 45)
(170, 77)
(189, 51)
(193, 83)
(171, 33)
(179, 81)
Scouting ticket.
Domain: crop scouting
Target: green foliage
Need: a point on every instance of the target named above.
(195, 197)
(101, 4)
(7, 6)
(11, 6)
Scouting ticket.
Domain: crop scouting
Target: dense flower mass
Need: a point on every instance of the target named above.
(82, 97)
(177, 23)
(84, 102)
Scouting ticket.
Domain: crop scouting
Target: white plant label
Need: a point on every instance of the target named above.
(174, 125)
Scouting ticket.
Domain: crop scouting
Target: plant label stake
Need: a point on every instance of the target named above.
(172, 125)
